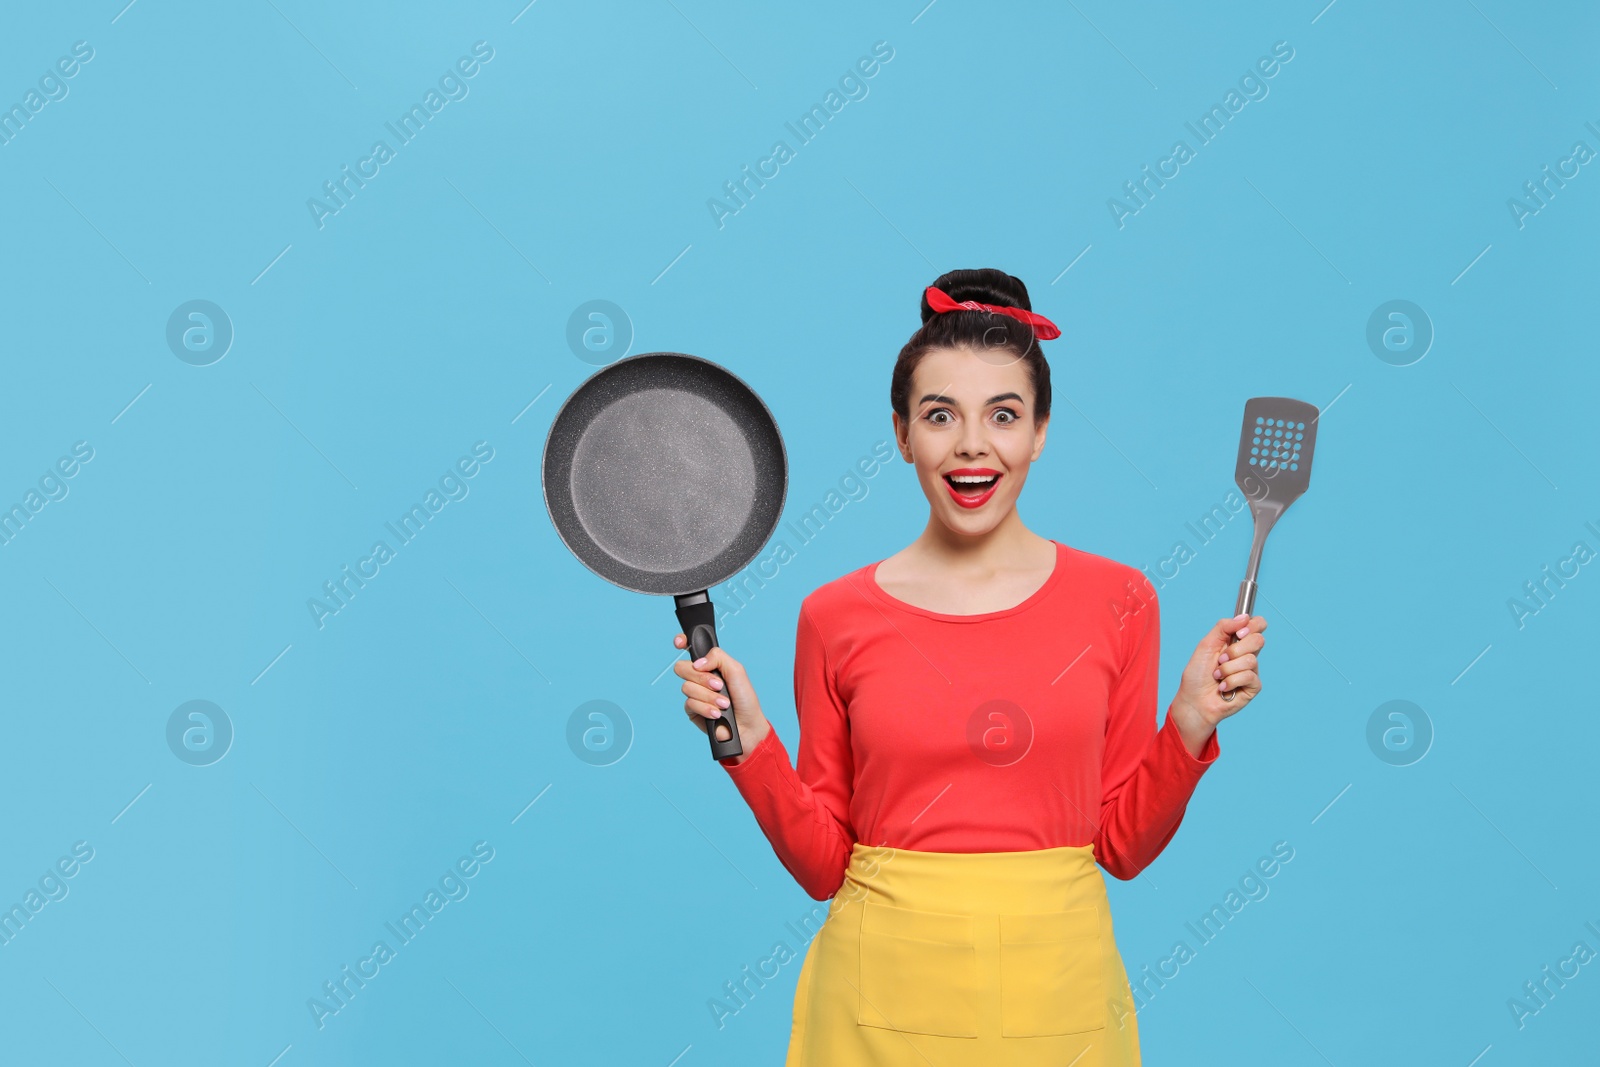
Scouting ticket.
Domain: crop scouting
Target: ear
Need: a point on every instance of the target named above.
(902, 431)
(1038, 436)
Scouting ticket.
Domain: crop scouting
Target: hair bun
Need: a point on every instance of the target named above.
(985, 285)
(977, 331)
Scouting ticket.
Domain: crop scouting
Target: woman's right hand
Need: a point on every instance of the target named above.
(705, 701)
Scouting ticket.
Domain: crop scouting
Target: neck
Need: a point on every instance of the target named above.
(995, 549)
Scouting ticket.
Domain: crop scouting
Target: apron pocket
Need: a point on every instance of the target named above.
(918, 972)
(1052, 973)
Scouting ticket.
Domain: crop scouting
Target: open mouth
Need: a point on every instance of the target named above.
(972, 487)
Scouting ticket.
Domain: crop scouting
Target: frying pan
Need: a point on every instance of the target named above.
(1273, 468)
(665, 473)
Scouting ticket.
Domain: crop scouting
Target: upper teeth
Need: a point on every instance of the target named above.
(971, 477)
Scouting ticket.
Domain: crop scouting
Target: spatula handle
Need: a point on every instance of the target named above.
(1245, 606)
(698, 618)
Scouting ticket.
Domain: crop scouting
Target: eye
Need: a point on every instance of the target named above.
(1010, 416)
(930, 416)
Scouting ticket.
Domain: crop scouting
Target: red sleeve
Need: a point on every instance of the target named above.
(1147, 775)
(805, 813)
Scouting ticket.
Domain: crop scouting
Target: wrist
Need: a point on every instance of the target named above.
(750, 739)
(1192, 726)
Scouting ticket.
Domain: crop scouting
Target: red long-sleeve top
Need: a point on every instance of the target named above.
(1027, 728)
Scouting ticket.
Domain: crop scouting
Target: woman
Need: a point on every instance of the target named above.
(977, 731)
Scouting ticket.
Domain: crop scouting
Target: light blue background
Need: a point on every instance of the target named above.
(428, 313)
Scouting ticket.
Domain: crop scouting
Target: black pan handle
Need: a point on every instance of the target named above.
(698, 618)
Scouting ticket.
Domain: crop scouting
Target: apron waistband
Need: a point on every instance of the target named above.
(973, 883)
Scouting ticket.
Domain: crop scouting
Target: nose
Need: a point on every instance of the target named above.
(974, 440)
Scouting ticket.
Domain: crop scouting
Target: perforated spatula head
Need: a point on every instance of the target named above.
(1274, 468)
(1275, 446)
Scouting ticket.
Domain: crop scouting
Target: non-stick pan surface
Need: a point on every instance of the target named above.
(665, 473)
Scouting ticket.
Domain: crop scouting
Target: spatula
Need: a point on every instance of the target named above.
(1273, 470)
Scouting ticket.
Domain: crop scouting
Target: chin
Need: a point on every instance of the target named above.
(971, 529)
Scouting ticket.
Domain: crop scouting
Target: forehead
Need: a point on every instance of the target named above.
(971, 376)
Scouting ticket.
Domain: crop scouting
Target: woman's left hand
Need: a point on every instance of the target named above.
(1225, 661)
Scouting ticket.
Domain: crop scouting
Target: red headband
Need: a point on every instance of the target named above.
(940, 301)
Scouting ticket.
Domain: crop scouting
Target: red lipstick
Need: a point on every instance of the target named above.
(972, 494)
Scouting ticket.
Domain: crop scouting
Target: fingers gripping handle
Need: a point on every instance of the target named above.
(697, 616)
(1245, 606)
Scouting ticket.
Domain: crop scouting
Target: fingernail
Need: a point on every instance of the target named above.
(1223, 657)
(715, 714)
(700, 663)
(1241, 615)
(1217, 675)
(716, 683)
(722, 702)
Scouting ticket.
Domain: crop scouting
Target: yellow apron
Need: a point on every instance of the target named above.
(951, 959)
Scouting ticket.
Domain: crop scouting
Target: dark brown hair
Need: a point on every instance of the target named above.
(980, 330)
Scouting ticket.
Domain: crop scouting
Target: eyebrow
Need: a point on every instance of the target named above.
(940, 398)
